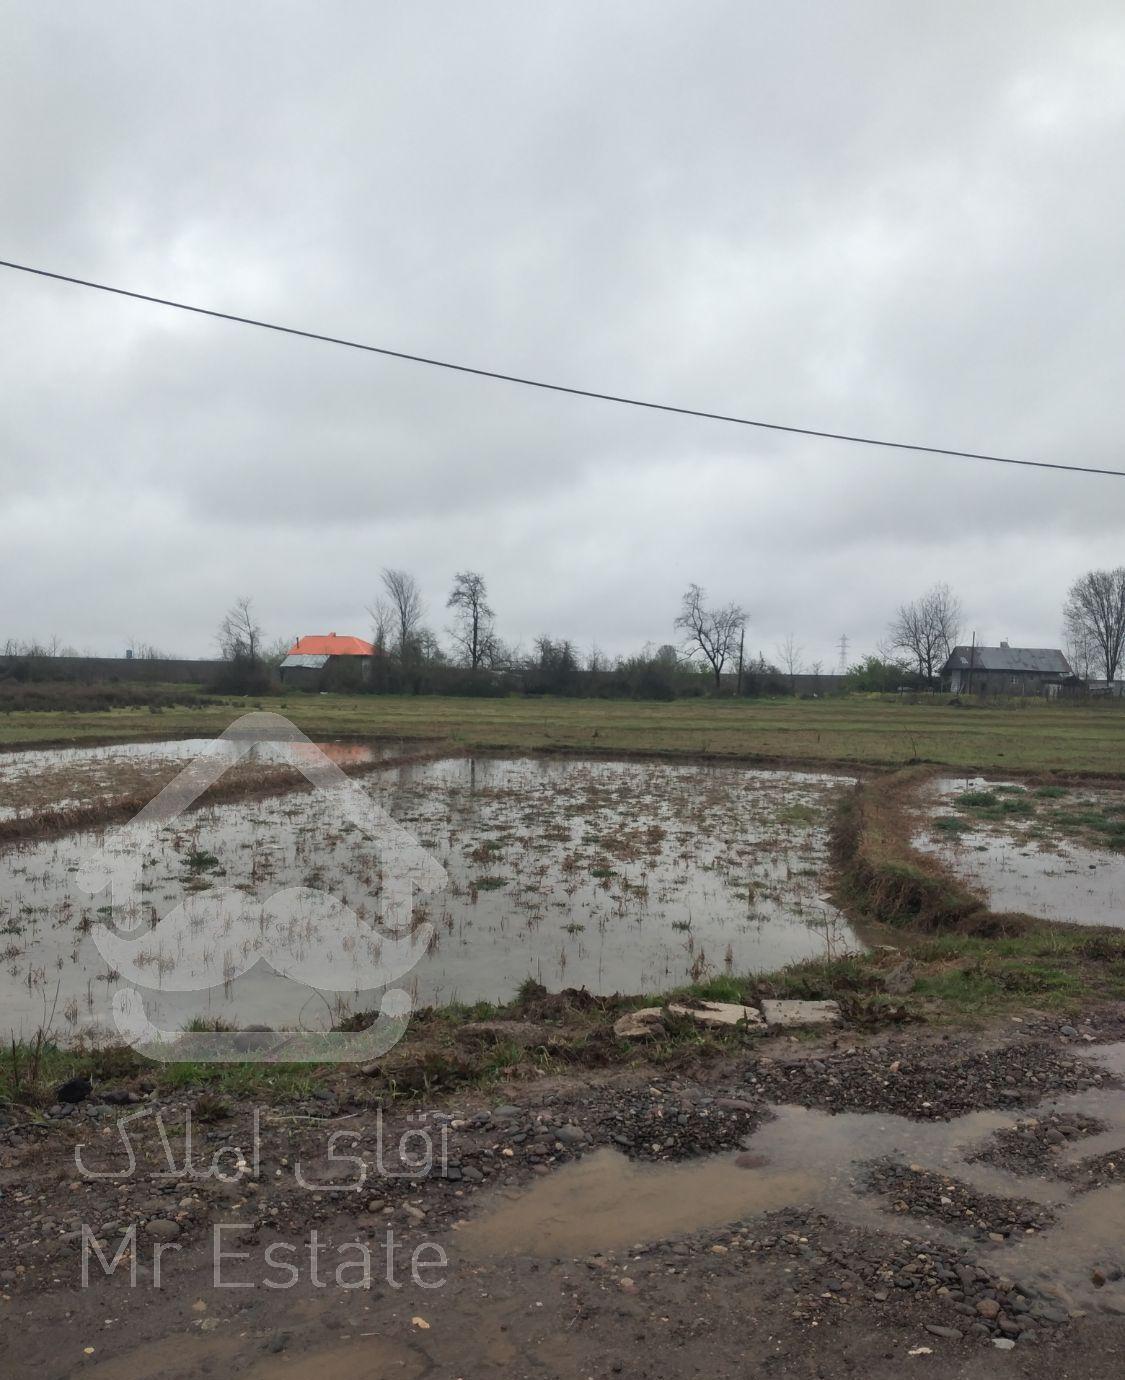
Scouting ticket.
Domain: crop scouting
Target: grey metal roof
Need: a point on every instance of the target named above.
(306, 659)
(1048, 661)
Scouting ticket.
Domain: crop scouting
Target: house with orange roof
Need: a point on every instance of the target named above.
(327, 661)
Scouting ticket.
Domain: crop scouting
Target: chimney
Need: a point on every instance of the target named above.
(1003, 644)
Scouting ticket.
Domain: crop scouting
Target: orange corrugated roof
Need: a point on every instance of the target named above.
(329, 644)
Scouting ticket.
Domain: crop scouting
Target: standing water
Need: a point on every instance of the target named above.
(616, 876)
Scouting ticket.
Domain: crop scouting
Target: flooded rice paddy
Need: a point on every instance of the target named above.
(1054, 852)
(615, 876)
(66, 778)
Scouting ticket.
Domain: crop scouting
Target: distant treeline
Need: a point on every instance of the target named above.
(554, 669)
(102, 670)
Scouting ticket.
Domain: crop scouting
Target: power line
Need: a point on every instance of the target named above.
(557, 387)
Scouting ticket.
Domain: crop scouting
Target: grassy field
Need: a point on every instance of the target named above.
(868, 730)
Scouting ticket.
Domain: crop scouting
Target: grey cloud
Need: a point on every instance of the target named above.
(865, 217)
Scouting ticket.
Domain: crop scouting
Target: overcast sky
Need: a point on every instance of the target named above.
(901, 220)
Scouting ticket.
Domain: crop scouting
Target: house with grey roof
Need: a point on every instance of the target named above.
(1006, 670)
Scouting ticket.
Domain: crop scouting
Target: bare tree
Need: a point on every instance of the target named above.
(1094, 617)
(275, 652)
(239, 636)
(596, 660)
(401, 611)
(713, 633)
(382, 622)
(145, 651)
(1079, 650)
(926, 630)
(52, 647)
(472, 633)
(789, 657)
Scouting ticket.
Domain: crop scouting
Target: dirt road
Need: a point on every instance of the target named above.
(868, 1206)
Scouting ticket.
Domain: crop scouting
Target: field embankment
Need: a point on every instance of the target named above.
(884, 876)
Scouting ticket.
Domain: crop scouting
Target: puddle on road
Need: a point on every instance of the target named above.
(801, 1158)
(179, 1355)
(1053, 877)
(616, 876)
(813, 1161)
(1110, 1056)
(606, 1202)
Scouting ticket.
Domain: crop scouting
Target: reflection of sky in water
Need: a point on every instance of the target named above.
(1055, 879)
(62, 778)
(616, 876)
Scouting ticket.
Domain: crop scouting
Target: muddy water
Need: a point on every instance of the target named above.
(1055, 880)
(64, 778)
(812, 1160)
(614, 876)
(605, 1202)
(801, 1158)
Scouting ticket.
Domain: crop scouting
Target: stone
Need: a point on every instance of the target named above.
(1003, 1343)
(786, 1015)
(507, 1113)
(1048, 1314)
(570, 1135)
(73, 1091)
(988, 1308)
(1069, 1031)
(161, 1229)
(718, 1013)
(900, 980)
(646, 1024)
(949, 1333)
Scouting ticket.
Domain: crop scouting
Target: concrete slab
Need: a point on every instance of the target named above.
(718, 1013)
(791, 1015)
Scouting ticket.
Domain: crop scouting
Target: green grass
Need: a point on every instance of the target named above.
(960, 980)
(859, 729)
(1101, 824)
(951, 824)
